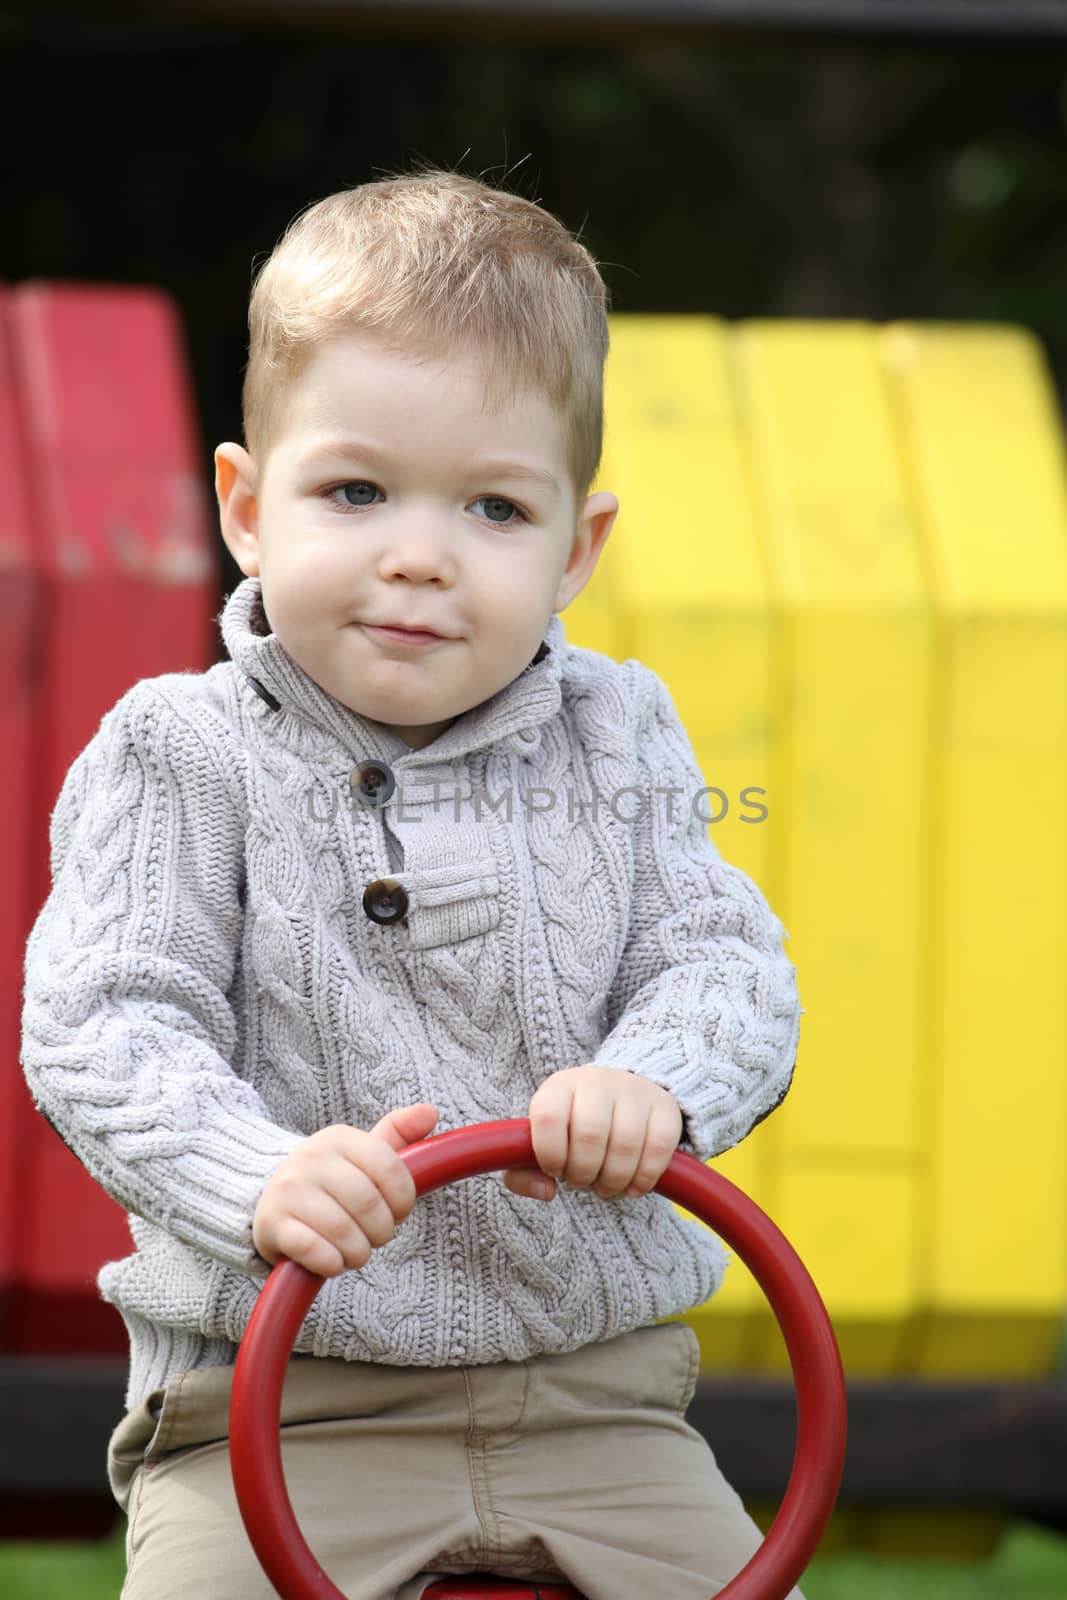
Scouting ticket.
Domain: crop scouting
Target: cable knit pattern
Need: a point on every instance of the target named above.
(203, 990)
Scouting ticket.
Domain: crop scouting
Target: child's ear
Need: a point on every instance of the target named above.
(238, 511)
(595, 521)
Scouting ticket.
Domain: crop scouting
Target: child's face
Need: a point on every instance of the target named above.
(409, 526)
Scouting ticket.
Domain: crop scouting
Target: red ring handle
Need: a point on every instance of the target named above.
(818, 1460)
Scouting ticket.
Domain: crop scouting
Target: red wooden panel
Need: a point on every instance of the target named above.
(18, 600)
(122, 547)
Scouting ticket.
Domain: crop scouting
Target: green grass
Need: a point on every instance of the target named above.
(1029, 1564)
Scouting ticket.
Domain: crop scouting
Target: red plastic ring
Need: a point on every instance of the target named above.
(819, 1456)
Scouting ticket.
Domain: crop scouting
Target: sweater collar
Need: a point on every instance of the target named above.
(513, 717)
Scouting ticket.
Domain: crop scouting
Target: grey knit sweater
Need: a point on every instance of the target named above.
(213, 978)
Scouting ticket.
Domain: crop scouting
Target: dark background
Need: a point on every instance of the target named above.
(741, 173)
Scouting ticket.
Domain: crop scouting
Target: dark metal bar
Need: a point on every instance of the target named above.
(1003, 20)
(998, 18)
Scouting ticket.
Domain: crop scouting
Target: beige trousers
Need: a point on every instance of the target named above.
(579, 1466)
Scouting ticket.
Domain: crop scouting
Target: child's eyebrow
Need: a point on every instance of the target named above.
(348, 448)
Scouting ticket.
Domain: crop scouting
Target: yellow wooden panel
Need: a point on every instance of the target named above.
(853, 1226)
(981, 437)
(858, 738)
(683, 536)
(845, 551)
(982, 1341)
(853, 641)
(681, 583)
(837, 526)
(681, 586)
(986, 450)
(846, 577)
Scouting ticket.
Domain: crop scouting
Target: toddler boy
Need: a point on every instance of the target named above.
(408, 861)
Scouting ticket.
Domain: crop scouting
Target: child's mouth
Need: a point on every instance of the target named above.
(409, 636)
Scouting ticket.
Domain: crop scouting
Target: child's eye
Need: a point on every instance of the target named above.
(346, 505)
(498, 500)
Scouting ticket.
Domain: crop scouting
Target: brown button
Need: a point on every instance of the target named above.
(371, 784)
(385, 900)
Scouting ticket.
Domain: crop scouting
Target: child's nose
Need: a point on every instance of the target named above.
(420, 550)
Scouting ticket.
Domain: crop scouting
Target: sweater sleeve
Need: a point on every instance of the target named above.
(128, 1036)
(704, 1001)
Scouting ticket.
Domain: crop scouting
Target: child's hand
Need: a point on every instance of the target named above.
(599, 1127)
(340, 1193)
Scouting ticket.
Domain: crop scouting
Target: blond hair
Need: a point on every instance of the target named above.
(436, 262)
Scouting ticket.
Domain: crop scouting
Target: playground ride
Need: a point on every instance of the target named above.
(818, 1461)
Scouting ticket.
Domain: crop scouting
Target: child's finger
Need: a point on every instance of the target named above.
(405, 1124)
(590, 1132)
(626, 1147)
(550, 1114)
(661, 1141)
(525, 1181)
